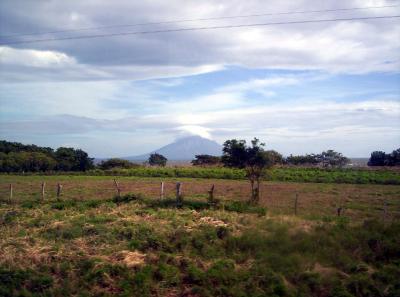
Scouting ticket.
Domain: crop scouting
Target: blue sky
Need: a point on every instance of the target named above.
(299, 88)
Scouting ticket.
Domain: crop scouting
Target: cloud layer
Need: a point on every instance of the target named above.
(302, 88)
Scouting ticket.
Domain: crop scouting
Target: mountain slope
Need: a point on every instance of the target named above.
(185, 149)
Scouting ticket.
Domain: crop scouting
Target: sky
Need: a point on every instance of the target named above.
(300, 88)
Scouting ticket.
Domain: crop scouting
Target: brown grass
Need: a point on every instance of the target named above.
(359, 201)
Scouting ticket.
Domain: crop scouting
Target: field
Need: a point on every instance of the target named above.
(91, 243)
(383, 176)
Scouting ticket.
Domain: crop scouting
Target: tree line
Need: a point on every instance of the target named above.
(17, 157)
(379, 158)
(328, 158)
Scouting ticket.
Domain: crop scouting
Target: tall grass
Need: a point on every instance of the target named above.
(312, 175)
(289, 174)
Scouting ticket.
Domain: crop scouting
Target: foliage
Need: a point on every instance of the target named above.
(135, 249)
(379, 158)
(157, 160)
(273, 157)
(16, 157)
(251, 158)
(26, 161)
(116, 163)
(328, 158)
(204, 160)
(16, 147)
(70, 159)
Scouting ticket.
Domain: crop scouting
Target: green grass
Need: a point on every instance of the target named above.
(288, 174)
(98, 244)
(82, 248)
(292, 174)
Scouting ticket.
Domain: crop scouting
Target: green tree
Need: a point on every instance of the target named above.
(330, 158)
(116, 163)
(157, 160)
(377, 159)
(82, 161)
(394, 158)
(206, 160)
(254, 159)
(69, 159)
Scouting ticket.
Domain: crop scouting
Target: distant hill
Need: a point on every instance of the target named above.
(184, 149)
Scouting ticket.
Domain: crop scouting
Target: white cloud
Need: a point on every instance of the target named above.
(34, 58)
(335, 47)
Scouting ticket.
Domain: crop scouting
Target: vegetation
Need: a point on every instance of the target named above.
(133, 245)
(329, 158)
(116, 163)
(16, 157)
(253, 159)
(206, 160)
(379, 158)
(283, 174)
(157, 160)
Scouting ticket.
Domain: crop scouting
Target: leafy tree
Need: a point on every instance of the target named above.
(116, 163)
(394, 158)
(330, 158)
(252, 158)
(377, 158)
(26, 161)
(15, 147)
(157, 160)
(274, 157)
(17, 157)
(309, 159)
(69, 159)
(204, 160)
(65, 157)
(82, 161)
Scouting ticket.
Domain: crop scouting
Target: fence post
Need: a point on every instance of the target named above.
(295, 204)
(162, 191)
(339, 211)
(43, 186)
(59, 189)
(179, 199)
(385, 212)
(117, 187)
(211, 195)
(11, 193)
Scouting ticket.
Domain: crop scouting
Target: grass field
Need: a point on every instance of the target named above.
(383, 176)
(91, 244)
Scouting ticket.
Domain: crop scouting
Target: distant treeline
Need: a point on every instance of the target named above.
(325, 159)
(17, 157)
(379, 158)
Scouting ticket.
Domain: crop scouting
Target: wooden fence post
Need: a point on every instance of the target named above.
(59, 189)
(179, 199)
(339, 211)
(11, 194)
(117, 187)
(295, 204)
(385, 212)
(211, 195)
(43, 186)
(162, 191)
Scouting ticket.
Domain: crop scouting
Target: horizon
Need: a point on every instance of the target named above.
(300, 88)
(182, 138)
